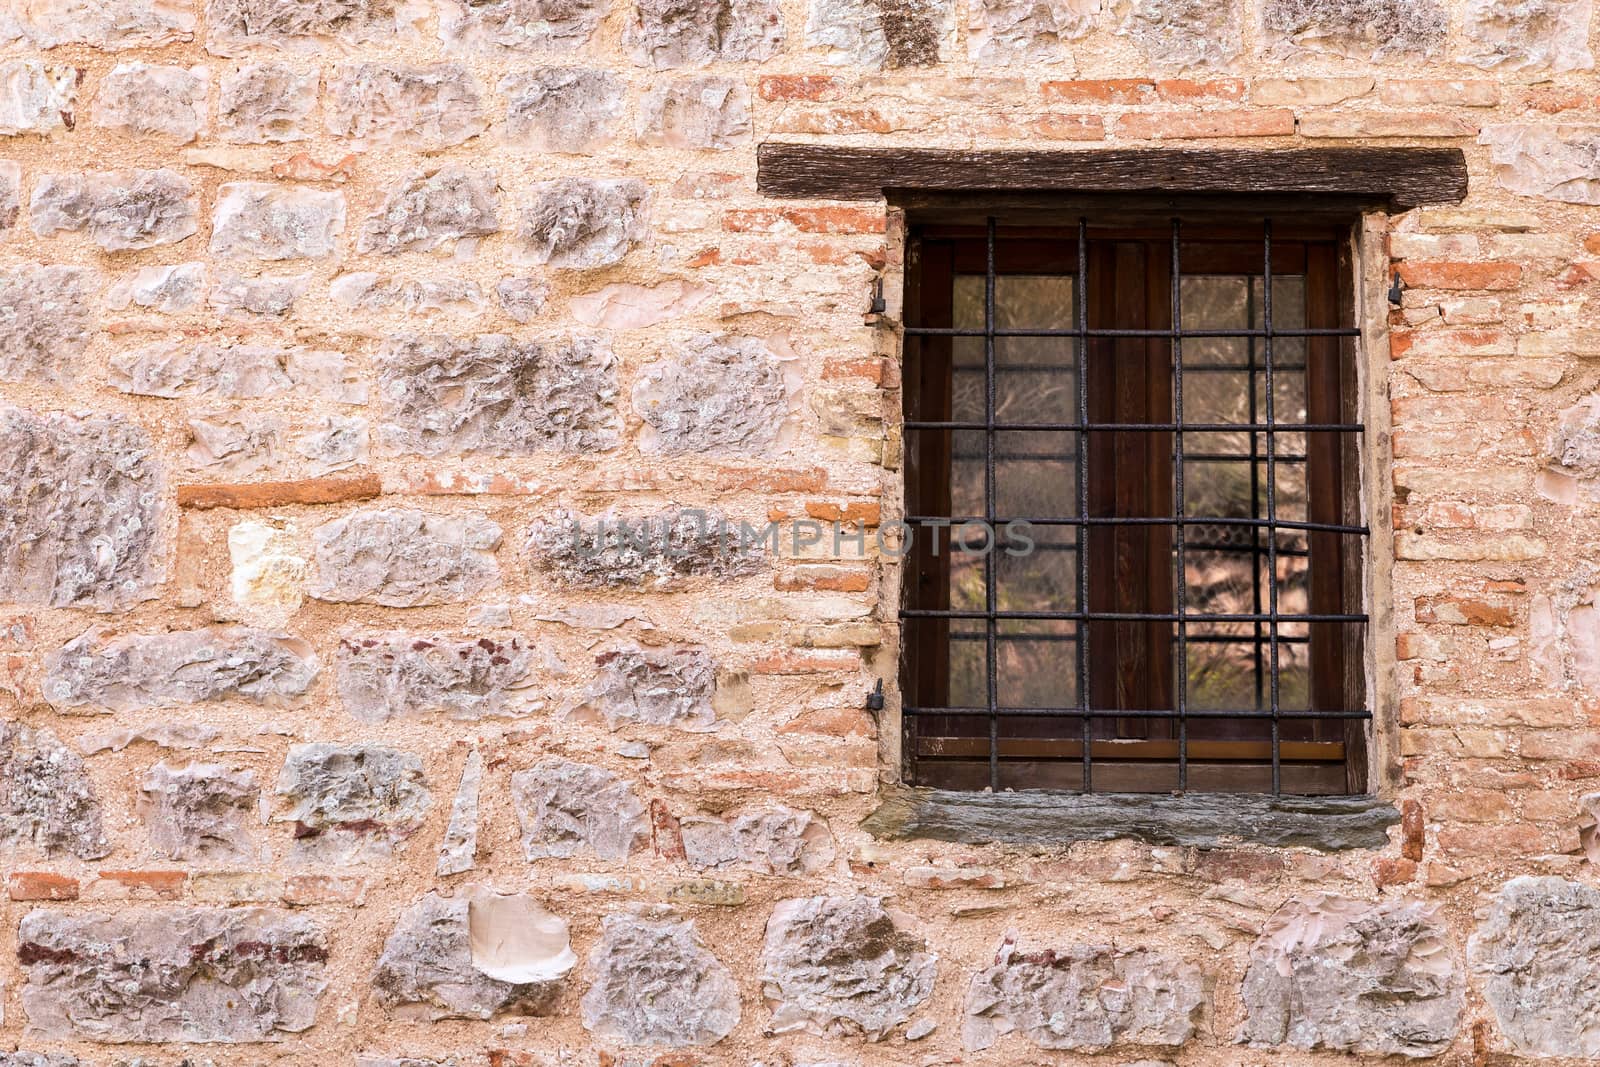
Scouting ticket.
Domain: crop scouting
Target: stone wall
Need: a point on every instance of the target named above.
(320, 322)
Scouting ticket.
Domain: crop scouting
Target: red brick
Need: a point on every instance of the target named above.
(333, 490)
(1459, 611)
(41, 885)
(1179, 125)
(1412, 829)
(822, 579)
(1389, 871)
(778, 480)
(834, 722)
(164, 885)
(1184, 90)
(665, 831)
(302, 890)
(1551, 101)
(301, 167)
(1108, 91)
(1385, 124)
(806, 220)
(1445, 274)
(837, 367)
(799, 87)
(1506, 843)
(1062, 126)
(1463, 92)
(846, 120)
(863, 511)
(815, 662)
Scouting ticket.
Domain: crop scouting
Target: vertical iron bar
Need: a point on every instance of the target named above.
(990, 558)
(1255, 501)
(1083, 502)
(1180, 588)
(1272, 503)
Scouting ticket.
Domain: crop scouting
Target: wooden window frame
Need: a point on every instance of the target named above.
(942, 249)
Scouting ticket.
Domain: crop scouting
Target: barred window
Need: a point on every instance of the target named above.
(1157, 418)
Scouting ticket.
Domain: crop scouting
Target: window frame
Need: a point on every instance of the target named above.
(954, 217)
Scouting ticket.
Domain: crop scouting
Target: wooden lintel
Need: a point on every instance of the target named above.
(1397, 178)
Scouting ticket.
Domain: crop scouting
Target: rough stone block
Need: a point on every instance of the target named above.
(139, 98)
(1182, 34)
(1552, 162)
(233, 445)
(387, 675)
(46, 321)
(1348, 976)
(692, 33)
(200, 813)
(776, 840)
(271, 221)
(521, 298)
(567, 808)
(170, 289)
(879, 33)
(48, 805)
(120, 210)
(267, 295)
(434, 963)
(177, 668)
(1527, 35)
(715, 396)
(520, 25)
(350, 803)
(10, 194)
(583, 222)
(1085, 998)
(35, 98)
(655, 687)
(1022, 32)
(696, 113)
(80, 511)
(1539, 953)
(106, 24)
(843, 965)
(625, 306)
(494, 393)
(562, 109)
(340, 444)
(233, 26)
(419, 107)
(1357, 29)
(430, 208)
(653, 982)
(458, 851)
(402, 558)
(658, 551)
(266, 102)
(371, 291)
(243, 372)
(202, 975)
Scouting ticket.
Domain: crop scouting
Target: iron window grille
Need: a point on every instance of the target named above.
(1109, 356)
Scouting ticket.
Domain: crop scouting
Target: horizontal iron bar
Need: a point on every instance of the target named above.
(960, 331)
(1121, 713)
(1140, 427)
(1121, 616)
(1204, 639)
(1138, 520)
(1065, 368)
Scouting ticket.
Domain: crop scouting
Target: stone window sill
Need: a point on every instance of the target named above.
(1205, 820)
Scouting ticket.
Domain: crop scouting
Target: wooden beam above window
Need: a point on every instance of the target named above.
(1397, 178)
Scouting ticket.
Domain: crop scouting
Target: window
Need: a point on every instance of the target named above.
(1158, 420)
